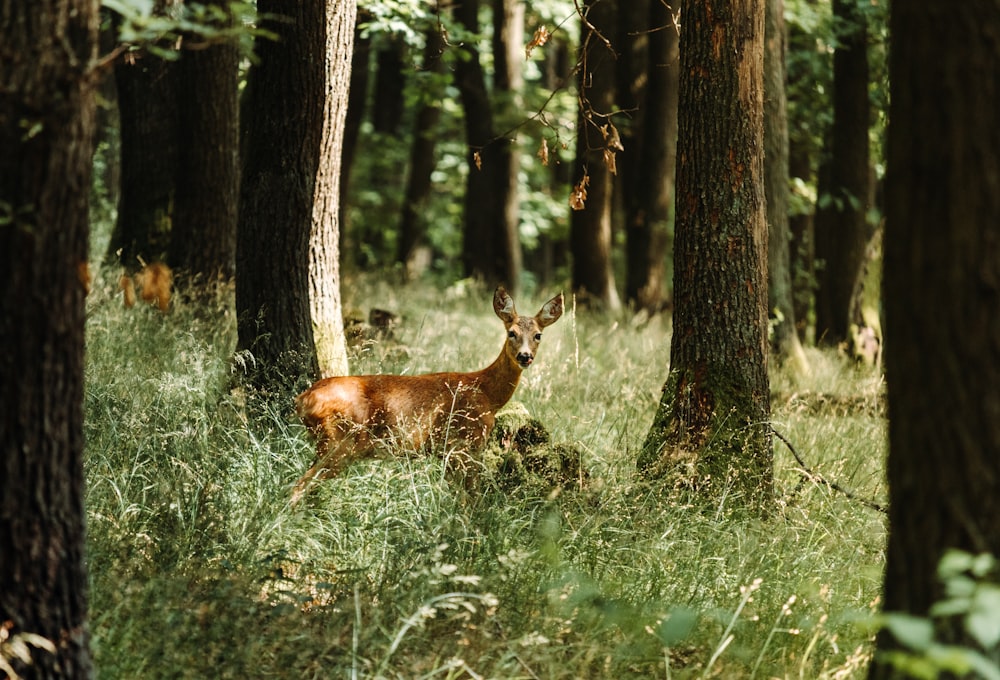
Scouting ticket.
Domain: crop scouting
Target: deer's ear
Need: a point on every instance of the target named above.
(503, 305)
(550, 311)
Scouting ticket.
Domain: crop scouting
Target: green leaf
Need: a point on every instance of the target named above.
(677, 626)
(983, 621)
(913, 632)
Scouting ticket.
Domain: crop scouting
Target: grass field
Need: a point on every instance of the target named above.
(201, 569)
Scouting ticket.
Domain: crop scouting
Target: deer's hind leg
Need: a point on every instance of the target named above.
(339, 443)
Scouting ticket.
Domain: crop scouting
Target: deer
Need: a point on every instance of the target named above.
(353, 417)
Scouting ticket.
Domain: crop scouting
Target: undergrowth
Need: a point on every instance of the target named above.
(200, 568)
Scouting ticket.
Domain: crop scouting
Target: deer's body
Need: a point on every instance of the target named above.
(353, 416)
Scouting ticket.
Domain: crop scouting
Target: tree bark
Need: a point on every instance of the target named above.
(785, 345)
(649, 213)
(47, 123)
(282, 131)
(147, 103)
(324, 240)
(941, 292)
(413, 222)
(590, 226)
(712, 424)
(841, 225)
(203, 237)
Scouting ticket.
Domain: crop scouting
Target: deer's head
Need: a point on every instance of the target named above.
(524, 332)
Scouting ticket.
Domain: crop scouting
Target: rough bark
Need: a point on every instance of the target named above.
(785, 345)
(841, 225)
(203, 237)
(590, 227)
(941, 292)
(47, 122)
(282, 126)
(712, 424)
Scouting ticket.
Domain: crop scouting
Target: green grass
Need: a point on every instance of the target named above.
(199, 568)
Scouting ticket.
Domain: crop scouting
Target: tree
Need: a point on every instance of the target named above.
(650, 141)
(291, 146)
(47, 120)
(597, 142)
(785, 345)
(941, 292)
(203, 233)
(841, 222)
(715, 407)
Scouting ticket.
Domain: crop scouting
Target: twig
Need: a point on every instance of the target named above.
(820, 478)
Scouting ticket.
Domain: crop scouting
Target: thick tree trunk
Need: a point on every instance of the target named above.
(785, 344)
(590, 227)
(282, 130)
(712, 424)
(942, 292)
(413, 223)
(47, 121)
(203, 240)
(841, 225)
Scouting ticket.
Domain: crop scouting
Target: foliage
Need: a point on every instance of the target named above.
(200, 568)
(972, 595)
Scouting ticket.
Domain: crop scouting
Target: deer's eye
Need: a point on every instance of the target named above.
(538, 336)
(512, 335)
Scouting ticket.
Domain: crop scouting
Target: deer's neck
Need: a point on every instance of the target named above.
(499, 380)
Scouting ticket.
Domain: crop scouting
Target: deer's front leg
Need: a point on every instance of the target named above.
(339, 443)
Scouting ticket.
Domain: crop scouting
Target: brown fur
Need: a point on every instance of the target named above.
(351, 416)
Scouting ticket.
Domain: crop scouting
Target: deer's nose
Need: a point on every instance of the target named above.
(525, 359)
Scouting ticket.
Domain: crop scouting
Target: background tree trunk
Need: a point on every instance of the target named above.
(841, 223)
(590, 228)
(324, 243)
(413, 223)
(715, 405)
(785, 344)
(147, 104)
(203, 237)
(283, 122)
(942, 292)
(357, 99)
(49, 49)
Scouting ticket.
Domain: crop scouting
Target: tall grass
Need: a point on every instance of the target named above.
(200, 568)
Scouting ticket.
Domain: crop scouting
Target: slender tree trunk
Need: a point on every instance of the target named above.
(942, 292)
(648, 223)
(841, 224)
(324, 241)
(596, 146)
(785, 344)
(413, 223)
(356, 102)
(508, 54)
(712, 424)
(47, 122)
(390, 81)
(203, 241)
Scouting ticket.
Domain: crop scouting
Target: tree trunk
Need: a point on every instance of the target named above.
(712, 424)
(485, 243)
(387, 107)
(841, 223)
(508, 80)
(324, 242)
(941, 292)
(590, 224)
(413, 223)
(647, 221)
(147, 104)
(785, 344)
(203, 240)
(283, 123)
(47, 122)
(356, 100)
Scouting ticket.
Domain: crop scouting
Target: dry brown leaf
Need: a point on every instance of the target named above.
(543, 151)
(541, 37)
(478, 160)
(578, 197)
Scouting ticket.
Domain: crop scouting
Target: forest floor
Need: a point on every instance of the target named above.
(200, 567)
